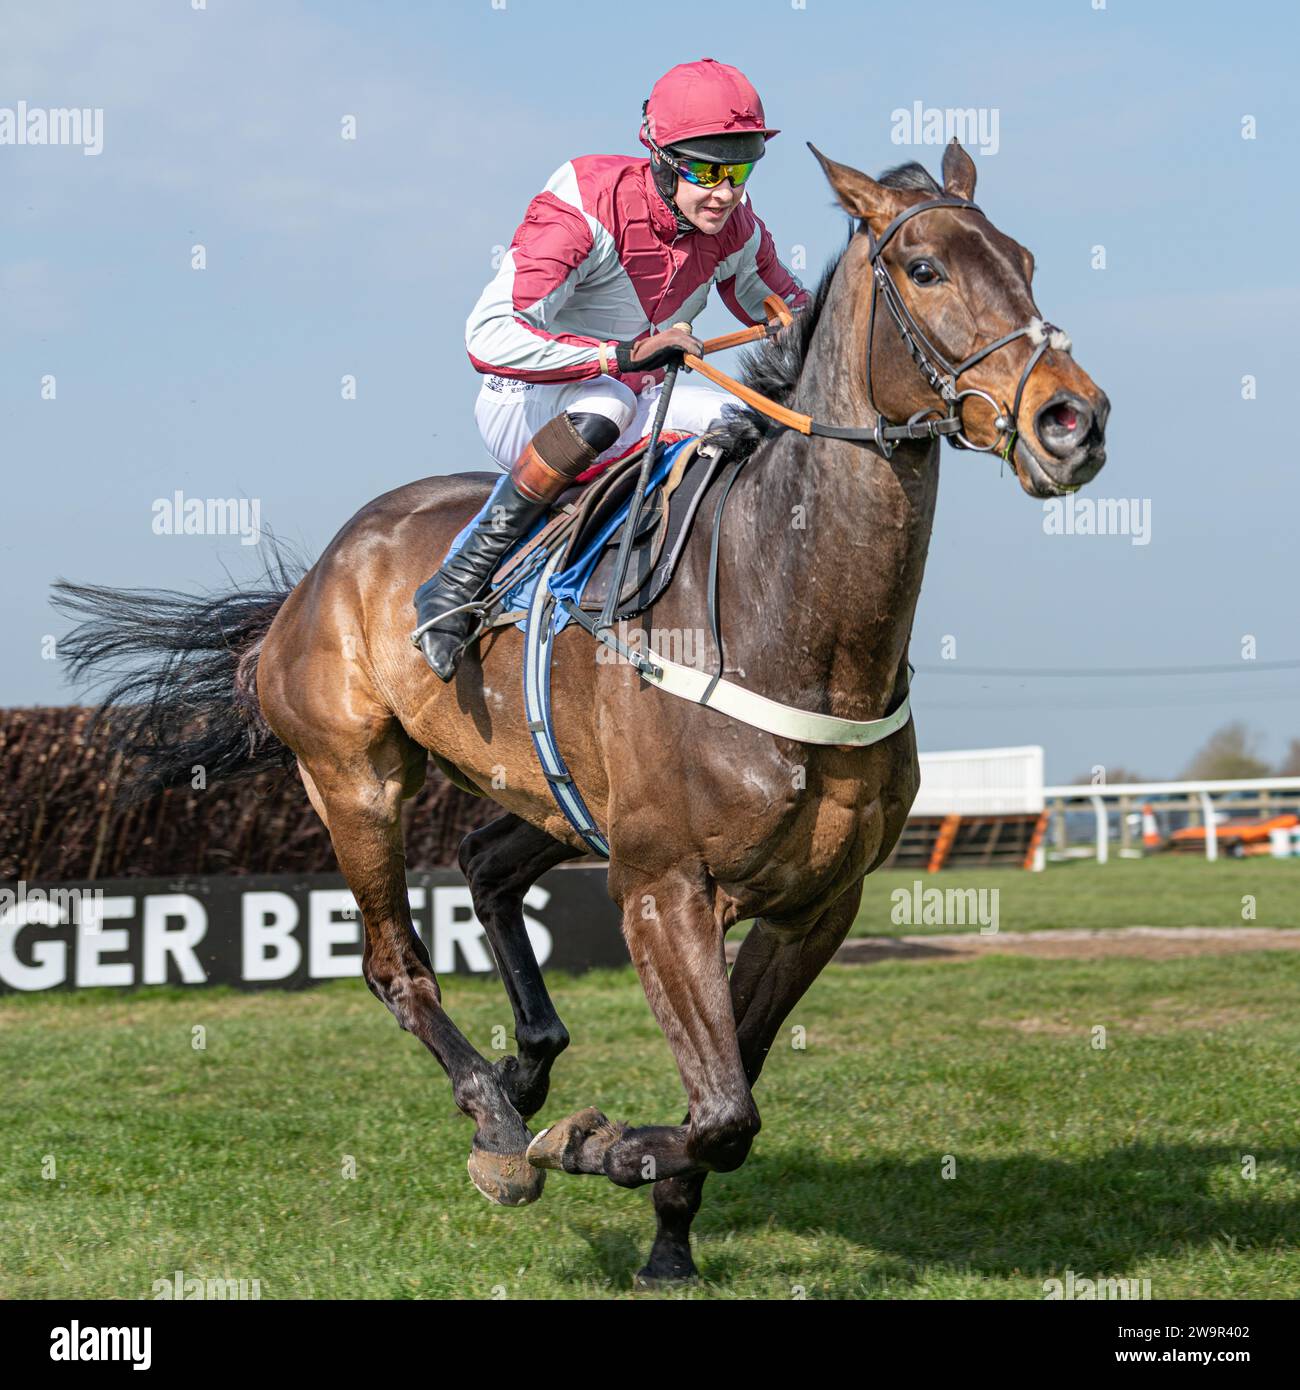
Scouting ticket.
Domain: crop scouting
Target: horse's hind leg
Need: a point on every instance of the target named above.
(501, 861)
(360, 778)
(772, 972)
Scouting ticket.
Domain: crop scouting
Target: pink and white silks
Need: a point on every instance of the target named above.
(597, 260)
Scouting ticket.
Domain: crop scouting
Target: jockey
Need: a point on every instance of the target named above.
(574, 331)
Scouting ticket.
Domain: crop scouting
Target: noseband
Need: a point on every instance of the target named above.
(941, 375)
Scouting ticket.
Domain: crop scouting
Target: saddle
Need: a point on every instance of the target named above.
(584, 511)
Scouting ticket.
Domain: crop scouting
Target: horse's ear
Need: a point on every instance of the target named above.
(958, 171)
(859, 195)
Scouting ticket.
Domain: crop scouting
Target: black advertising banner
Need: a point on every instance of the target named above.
(273, 931)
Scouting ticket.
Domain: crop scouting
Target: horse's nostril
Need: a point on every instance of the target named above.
(1063, 424)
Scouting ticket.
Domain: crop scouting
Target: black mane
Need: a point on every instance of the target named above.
(773, 367)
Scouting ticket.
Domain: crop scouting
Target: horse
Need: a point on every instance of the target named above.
(709, 822)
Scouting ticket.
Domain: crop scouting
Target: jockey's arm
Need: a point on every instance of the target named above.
(506, 333)
(746, 278)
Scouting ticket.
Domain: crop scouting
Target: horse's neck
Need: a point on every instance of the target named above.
(835, 537)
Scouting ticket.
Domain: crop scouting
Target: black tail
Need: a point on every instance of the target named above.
(183, 669)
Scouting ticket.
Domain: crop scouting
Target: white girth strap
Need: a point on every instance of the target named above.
(804, 726)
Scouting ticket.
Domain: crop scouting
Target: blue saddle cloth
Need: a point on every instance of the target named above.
(568, 583)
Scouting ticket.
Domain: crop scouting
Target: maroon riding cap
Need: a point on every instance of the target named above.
(702, 98)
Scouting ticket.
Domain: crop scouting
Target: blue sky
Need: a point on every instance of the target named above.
(1119, 127)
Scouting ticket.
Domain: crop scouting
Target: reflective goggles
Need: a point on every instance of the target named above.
(708, 175)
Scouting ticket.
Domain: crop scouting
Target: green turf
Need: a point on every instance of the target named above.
(227, 1162)
(1157, 892)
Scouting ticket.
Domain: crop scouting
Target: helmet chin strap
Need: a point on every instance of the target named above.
(666, 180)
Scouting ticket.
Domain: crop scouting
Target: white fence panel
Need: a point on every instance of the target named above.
(981, 781)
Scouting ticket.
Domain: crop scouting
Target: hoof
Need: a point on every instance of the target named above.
(506, 1179)
(669, 1268)
(575, 1145)
(647, 1281)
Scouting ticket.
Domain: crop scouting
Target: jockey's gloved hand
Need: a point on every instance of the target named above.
(658, 350)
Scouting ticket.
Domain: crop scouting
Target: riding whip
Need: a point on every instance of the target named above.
(638, 497)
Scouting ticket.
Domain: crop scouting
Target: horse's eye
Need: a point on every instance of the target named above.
(923, 273)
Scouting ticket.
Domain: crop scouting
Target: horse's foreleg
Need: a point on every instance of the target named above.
(676, 945)
(772, 972)
(501, 861)
(361, 793)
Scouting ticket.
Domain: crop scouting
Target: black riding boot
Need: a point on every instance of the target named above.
(555, 455)
(465, 576)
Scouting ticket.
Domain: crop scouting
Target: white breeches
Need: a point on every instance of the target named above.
(510, 412)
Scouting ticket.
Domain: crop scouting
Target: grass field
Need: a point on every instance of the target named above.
(1156, 892)
(228, 1161)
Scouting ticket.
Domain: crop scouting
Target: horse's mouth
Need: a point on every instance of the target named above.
(1062, 476)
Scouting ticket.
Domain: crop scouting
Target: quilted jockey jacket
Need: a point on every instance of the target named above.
(599, 259)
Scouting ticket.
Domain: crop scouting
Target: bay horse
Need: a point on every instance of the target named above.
(709, 821)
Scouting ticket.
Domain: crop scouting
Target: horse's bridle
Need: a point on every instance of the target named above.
(942, 376)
